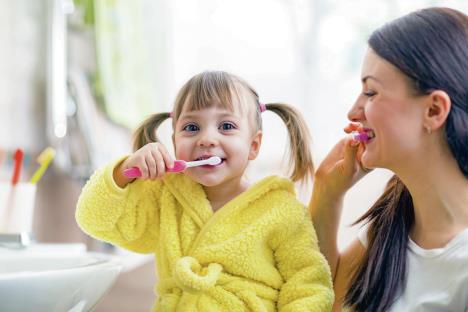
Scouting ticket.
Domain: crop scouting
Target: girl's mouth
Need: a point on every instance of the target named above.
(210, 166)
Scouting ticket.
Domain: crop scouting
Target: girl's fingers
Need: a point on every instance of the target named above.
(168, 160)
(152, 160)
(155, 157)
(143, 169)
(159, 161)
(152, 169)
(161, 169)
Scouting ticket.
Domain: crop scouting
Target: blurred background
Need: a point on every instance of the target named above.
(80, 75)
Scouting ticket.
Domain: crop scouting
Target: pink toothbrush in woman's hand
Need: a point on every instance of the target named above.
(179, 166)
(361, 136)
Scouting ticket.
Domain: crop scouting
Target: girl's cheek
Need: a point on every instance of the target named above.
(182, 150)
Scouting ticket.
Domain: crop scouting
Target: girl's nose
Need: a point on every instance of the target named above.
(356, 113)
(207, 139)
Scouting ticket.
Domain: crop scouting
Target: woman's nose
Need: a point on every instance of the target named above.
(356, 113)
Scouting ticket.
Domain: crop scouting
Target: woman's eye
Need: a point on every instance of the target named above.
(227, 126)
(191, 128)
(369, 93)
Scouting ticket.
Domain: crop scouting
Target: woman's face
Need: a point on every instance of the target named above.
(392, 111)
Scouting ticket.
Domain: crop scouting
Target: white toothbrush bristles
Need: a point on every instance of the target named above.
(215, 160)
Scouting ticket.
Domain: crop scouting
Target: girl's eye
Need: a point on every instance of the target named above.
(191, 128)
(227, 126)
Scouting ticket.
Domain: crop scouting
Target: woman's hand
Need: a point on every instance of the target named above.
(337, 173)
(152, 160)
(341, 168)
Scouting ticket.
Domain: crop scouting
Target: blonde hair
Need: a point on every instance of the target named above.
(218, 88)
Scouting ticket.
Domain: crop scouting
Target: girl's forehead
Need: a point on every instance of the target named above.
(236, 100)
(221, 110)
(237, 103)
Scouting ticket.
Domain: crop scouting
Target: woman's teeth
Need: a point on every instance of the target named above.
(364, 135)
(370, 134)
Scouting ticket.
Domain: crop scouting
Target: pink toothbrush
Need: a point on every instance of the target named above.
(360, 136)
(179, 166)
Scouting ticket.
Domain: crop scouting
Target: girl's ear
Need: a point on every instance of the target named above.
(437, 110)
(255, 145)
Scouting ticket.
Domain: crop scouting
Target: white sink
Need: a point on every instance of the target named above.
(54, 280)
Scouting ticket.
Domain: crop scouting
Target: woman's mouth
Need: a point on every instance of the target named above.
(369, 133)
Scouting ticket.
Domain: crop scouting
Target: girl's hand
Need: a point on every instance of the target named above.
(152, 160)
(341, 168)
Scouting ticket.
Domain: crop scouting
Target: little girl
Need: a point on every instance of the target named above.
(220, 243)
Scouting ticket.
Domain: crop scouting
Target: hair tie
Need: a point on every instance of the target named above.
(171, 114)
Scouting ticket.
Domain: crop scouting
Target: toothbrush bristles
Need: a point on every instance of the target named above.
(214, 160)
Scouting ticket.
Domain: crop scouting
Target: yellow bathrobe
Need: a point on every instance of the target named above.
(257, 253)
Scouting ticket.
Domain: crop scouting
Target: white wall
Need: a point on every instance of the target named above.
(22, 72)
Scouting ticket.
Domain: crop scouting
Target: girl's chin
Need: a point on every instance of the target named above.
(206, 181)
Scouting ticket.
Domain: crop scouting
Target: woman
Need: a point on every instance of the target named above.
(412, 255)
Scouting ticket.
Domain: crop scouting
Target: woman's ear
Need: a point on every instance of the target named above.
(437, 110)
(255, 145)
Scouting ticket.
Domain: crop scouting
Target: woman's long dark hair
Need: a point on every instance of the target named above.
(430, 46)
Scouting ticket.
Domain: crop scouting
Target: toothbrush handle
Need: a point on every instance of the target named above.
(179, 166)
(134, 172)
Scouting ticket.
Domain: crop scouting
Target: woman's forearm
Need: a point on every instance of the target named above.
(326, 214)
(337, 173)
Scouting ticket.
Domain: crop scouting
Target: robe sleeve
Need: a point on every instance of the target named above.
(127, 217)
(307, 278)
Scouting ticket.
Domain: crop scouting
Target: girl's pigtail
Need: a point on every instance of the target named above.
(300, 157)
(146, 132)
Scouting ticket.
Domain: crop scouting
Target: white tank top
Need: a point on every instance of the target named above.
(437, 278)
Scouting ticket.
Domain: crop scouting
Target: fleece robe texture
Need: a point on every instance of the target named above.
(257, 253)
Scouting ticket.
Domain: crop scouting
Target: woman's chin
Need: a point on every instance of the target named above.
(367, 161)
